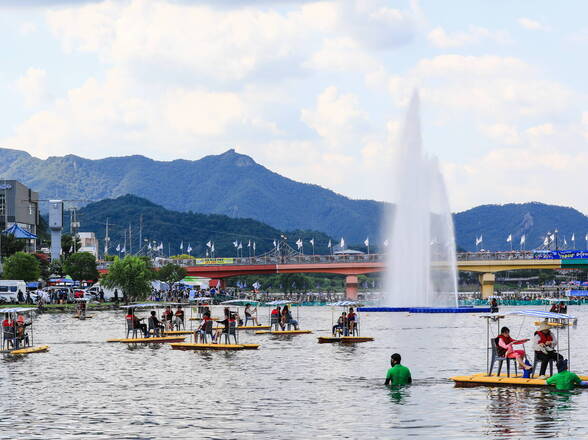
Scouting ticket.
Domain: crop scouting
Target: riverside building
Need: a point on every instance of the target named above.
(19, 205)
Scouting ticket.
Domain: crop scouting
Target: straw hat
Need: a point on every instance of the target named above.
(544, 326)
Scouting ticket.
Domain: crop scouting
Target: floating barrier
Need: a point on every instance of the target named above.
(467, 309)
(481, 379)
(344, 339)
(29, 350)
(155, 340)
(188, 346)
(283, 332)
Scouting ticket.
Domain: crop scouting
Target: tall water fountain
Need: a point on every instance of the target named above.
(421, 261)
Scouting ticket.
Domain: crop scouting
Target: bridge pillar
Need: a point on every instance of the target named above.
(487, 284)
(351, 285)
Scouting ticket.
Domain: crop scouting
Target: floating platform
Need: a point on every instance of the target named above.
(344, 339)
(481, 379)
(426, 309)
(254, 327)
(86, 317)
(177, 332)
(231, 347)
(155, 340)
(28, 350)
(283, 332)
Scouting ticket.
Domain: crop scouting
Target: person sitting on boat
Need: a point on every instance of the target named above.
(494, 306)
(136, 322)
(225, 322)
(398, 374)
(565, 380)
(249, 314)
(287, 318)
(202, 329)
(544, 346)
(168, 317)
(276, 317)
(351, 320)
(504, 347)
(341, 324)
(563, 308)
(8, 331)
(555, 308)
(20, 331)
(155, 324)
(82, 309)
(179, 320)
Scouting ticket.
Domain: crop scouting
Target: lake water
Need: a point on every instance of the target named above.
(291, 388)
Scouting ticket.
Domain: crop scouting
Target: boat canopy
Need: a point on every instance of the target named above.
(345, 303)
(534, 313)
(18, 310)
(144, 306)
(201, 299)
(241, 301)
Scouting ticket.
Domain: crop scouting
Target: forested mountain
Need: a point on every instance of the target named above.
(230, 184)
(172, 228)
(495, 222)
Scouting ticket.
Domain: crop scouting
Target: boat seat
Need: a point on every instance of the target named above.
(500, 359)
(536, 361)
(231, 332)
(131, 328)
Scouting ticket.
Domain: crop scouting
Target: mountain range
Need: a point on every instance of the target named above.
(230, 184)
(234, 185)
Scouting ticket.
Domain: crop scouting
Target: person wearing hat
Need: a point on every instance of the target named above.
(564, 380)
(544, 343)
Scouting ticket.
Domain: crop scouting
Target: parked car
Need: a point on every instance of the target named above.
(9, 290)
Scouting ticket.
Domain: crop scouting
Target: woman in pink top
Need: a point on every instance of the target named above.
(505, 348)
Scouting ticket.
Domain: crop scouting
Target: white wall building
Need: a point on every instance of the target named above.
(88, 243)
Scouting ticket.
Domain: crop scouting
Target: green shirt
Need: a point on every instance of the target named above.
(398, 375)
(564, 380)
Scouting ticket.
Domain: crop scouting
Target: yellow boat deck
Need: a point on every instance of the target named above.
(502, 380)
(344, 339)
(155, 340)
(188, 346)
(29, 350)
(283, 332)
(177, 332)
(254, 327)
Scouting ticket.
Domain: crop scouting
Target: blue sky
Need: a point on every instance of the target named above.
(313, 90)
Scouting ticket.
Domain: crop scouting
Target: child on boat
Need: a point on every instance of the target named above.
(504, 346)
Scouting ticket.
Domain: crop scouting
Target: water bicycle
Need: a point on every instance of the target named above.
(17, 333)
(347, 332)
(134, 326)
(229, 347)
(243, 302)
(563, 324)
(275, 320)
(81, 308)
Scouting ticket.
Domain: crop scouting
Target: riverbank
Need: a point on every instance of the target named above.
(65, 308)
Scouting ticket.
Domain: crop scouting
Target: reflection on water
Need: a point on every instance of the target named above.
(290, 388)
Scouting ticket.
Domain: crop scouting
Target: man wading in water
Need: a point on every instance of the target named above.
(398, 374)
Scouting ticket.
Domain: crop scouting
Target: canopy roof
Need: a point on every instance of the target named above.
(19, 232)
(534, 313)
(18, 310)
(345, 303)
(240, 301)
(280, 302)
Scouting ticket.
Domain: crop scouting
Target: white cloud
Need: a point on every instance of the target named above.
(33, 86)
(440, 38)
(532, 25)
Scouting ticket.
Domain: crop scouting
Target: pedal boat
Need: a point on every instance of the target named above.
(344, 339)
(153, 340)
(229, 347)
(13, 313)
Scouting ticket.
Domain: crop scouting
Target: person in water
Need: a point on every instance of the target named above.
(544, 344)
(398, 374)
(504, 346)
(565, 380)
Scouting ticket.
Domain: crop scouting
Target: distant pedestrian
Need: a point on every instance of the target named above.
(398, 374)
(116, 295)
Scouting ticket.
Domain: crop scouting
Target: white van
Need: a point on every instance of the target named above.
(9, 290)
(108, 293)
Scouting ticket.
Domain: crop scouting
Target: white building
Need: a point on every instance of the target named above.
(88, 243)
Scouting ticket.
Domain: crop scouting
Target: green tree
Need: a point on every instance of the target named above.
(81, 266)
(171, 273)
(56, 268)
(67, 244)
(22, 266)
(11, 245)
(131, 275)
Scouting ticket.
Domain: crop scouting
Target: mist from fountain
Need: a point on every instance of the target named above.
(421, 261)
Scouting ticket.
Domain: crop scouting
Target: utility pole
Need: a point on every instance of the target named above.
(130, 240)
(140, 232)
(106, 240)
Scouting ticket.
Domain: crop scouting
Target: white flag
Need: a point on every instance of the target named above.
(565, 242)
(189, 248)
(181, 245)
(118, 247)
(212, 248)
(386, 243)
(330, 245)
(240, 246)
(342, 244)
(206, 253)
(546, 241)
(552, 238)
(509, 238)
(574, 237)
(123, 250)
(149, 246)
(253, 245)
(479, 239)
(522, 239)
(274, 243)
(249, 244)
(367, 241)
(236, 244)
(299, 243)
(311, 241)
(161, 246)
(586, 238)
(256, 285)
(209, 244)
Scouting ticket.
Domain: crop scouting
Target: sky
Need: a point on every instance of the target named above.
(315, 91)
